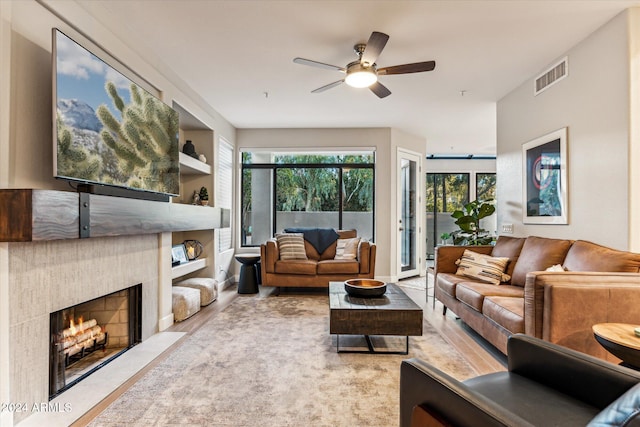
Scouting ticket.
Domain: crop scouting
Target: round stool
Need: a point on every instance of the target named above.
(248, 283)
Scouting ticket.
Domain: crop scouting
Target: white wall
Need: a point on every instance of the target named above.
(634, 121)
(593, 102)
(6, 418)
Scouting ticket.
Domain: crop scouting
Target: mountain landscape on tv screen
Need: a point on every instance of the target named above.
(109, 130)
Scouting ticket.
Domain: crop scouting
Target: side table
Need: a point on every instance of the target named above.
(248, 283)
(619, 340)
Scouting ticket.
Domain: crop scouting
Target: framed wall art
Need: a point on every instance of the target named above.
(179, 254)
(544, 163)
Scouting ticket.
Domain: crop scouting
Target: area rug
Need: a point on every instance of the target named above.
(422, 282)
(270, 361)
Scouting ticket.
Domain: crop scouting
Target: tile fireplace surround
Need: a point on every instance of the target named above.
(48, 276)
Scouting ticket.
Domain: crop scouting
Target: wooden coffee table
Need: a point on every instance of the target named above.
(394, 313)
(619, 340)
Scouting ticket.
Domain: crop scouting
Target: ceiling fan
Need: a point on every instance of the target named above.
(364, 71)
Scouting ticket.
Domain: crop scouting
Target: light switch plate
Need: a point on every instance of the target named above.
(507, 228)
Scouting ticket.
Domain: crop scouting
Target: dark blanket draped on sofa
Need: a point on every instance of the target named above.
(319, 238)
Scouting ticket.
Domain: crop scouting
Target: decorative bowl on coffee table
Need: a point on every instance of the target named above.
(365, 287)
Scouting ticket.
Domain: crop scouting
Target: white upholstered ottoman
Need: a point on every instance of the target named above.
(185, 302)
(207, 286)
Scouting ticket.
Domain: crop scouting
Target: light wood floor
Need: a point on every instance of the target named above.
(481, 356)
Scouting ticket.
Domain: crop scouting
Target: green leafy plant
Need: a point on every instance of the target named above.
(468, 219)
(204, 194)
(142, 136)
(75, 160)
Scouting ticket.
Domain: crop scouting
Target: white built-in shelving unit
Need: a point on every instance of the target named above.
(188, 267)
(195, 174)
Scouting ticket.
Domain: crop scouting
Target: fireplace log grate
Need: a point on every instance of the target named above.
(87, 348)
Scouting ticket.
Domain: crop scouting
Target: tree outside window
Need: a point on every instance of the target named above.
(309, 190)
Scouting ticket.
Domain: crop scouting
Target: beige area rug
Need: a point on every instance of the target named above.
(270, 361)
(418, 282)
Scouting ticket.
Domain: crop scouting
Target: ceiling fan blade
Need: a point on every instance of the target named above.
(416, 67)
(376, 43)
(327, 87)
(380, 90)
(311, 63)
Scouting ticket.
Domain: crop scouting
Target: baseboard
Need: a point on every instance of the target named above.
(225, 284)
(165, 322)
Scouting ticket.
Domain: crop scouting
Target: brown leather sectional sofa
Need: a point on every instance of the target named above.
(600, 285)
(318, 269)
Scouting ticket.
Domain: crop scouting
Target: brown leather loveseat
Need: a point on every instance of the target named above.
(319, 268)
(594, 284)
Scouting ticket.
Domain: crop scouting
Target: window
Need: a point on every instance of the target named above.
(282, 190)
(485, 186)
(225, 186)
(486, 190)
(445, 193)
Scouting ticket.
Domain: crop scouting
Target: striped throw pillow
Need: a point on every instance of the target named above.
(483, 267)
(347, 248)
(291, 246)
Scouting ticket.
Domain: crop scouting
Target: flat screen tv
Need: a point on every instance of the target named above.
(108, 131)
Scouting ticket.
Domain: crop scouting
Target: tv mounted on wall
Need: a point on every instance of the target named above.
(109, 133)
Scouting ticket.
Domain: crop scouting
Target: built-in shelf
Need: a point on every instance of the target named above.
(188, 267)
(191, 166)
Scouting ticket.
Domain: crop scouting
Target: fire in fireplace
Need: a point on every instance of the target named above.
(78, 342)
(87, 336)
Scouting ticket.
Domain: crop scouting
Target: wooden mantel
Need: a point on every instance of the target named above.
(28, 215)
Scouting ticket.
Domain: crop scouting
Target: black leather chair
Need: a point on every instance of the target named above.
(545, 385)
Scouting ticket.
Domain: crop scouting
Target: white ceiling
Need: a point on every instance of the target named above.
(235, 52)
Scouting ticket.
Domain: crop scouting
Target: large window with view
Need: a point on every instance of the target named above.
(485, 186)
(448, 192)
(445, 192)
(286, 190)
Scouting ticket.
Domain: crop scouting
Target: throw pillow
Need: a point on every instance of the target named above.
(291, 246)
(556, 267)
(347, 248)
(482, 267)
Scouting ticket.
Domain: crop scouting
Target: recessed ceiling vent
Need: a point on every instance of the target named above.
(552, 76)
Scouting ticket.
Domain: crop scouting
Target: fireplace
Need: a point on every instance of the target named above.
(86, 336)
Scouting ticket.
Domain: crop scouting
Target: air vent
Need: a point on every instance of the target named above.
(552, 76)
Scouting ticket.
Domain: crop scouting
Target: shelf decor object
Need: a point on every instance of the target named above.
(365, 287)
(194, 249)
(189, 149)
(179, 254)
(204, 196)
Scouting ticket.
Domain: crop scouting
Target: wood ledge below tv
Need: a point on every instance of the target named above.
(28, 215)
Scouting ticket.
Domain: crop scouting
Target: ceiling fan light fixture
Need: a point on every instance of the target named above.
(359, 76)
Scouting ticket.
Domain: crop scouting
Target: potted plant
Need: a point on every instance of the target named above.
(204, 196)
(468, 219)
(445, 238)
